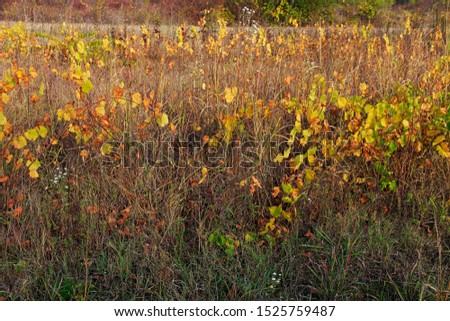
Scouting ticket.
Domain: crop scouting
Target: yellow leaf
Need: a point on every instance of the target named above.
(342, 102)
(2, 119)
(19, 142)
(100, 109)
(360, 180)
(405, 123)
(438, 140)
(162, 120)
(42, 89)
(80, 46)
(279, 158)
(270, 226)
(106, 149)
(363, 88)
(345, 177)
(33, 174)
(5, 98)
(419, 146)
(443, 150)
(33, 72)
(230, 94)
(204, 174)
(136, 100)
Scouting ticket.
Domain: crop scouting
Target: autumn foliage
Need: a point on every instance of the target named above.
(320, 120)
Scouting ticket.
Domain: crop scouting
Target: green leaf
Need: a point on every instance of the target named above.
(270, 240)
(220, 240)
(230, 251)
(310, 175)
(392, 146)
(87, 86)
(307, 133)
(311, 151)
(42, 131)
(275, 211)
(392, 185)
(213, 238)
(32, 134)
(298, 161)
(250, 237)
(287, 188)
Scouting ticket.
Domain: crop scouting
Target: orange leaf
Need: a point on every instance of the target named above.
(309, 234)
(126, 213)
(33, 174)
(18, 211)
(92, 209)
(3, 179)
(118, 92)
(256, 182)
(34, 98)
(10, 203)
(84, 154)
(276, 191)
(252, 189)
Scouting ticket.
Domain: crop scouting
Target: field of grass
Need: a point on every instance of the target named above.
(224, 163)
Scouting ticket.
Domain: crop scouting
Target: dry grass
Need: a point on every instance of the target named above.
(143, 232)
